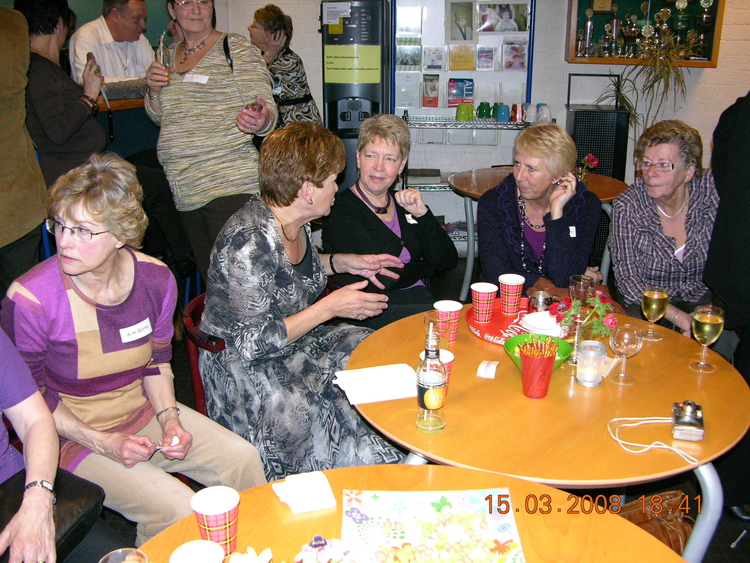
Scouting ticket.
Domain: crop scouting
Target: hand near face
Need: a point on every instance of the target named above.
(253, 117)
(562, 194)
(411, 200)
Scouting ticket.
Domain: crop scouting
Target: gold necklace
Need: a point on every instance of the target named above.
(283, 231)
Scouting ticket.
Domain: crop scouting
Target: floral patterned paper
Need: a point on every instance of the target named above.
(427, 526)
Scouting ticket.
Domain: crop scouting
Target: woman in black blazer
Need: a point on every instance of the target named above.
(370, 218)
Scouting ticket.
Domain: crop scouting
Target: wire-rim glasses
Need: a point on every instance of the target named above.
(188, 5)
(80, 234)
(645, 166)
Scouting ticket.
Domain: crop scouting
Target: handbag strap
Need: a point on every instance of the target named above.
(227, 54)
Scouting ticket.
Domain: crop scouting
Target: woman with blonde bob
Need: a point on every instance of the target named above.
(370, 217)
(540, 222)
(273, 383)
(94, 325)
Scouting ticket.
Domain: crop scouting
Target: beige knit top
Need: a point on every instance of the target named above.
(204, 154)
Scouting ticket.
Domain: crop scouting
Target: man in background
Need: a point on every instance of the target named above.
(117, 41)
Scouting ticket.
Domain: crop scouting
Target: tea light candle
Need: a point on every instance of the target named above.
(591, 355)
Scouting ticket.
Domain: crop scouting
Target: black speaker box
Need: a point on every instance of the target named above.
(602, 131)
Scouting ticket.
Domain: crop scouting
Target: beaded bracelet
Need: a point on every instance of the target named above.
(91, 102)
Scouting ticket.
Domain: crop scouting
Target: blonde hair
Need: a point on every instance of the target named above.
(551, 143)
(106, 187)
(388, 128)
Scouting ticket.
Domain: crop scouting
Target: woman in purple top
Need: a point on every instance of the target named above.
(94, 325)
(540, 222)
(369, 218)
(31, 532)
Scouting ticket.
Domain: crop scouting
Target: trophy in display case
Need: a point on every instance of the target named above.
(606, 41)
(615, 22)
(681, 21)
(630, 31)
(704, 22)
(589, 46)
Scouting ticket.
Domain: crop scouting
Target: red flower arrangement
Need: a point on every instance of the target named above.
(600, 317)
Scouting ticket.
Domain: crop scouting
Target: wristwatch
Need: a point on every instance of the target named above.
(46, 485)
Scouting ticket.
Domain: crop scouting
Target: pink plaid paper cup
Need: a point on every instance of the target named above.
(216, 509)
(449, 313)
(483, 300)
(511, 286)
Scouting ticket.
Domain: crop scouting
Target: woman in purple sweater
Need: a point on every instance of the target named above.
(94, 325)
(540, 222)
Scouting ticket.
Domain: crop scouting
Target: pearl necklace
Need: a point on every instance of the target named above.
(187, 52)
(522, 207)
(684, 203)
(375, 208)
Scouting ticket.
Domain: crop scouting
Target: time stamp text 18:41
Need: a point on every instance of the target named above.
(586, 504)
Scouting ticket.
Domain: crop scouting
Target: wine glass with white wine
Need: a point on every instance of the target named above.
(654, 303)
(708, 324)
(625, 341)
(580, 288)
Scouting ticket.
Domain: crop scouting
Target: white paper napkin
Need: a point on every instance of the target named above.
(305, 492)
(381, 383)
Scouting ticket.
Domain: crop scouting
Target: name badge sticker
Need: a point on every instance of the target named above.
(190, 77)
(136, 331)
(572, 230)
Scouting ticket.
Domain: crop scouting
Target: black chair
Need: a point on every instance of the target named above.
(78, 507)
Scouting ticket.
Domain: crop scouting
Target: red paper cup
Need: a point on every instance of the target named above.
(535, 375)
(511, 286)
(483, 300)
(449, 313)
(216, 510)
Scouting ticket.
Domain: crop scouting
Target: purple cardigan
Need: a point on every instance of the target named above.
(570, 239)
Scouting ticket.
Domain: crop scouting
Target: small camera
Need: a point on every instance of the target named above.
(687, 421)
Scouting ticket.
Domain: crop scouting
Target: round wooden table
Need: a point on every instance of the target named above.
(562, 440)
(471, 184)
(264, 521)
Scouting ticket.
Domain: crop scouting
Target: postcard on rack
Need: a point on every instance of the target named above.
(430, 90)
(462, 57)
(391, 525)
(460, 91)
(433, 57)
(486, 57)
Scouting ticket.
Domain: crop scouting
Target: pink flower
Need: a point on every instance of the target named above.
(610, 321)
(592, 161)
(600, 294)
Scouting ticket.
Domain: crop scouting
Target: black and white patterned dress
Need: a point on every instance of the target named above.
(279, 396)
(291, 91)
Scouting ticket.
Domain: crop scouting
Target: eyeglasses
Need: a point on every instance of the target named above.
(190, 4)
(79, 234)
(645, 166)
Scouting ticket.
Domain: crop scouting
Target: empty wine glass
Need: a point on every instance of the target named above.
(580, 288)
(625, 341)
(708, 324)
(654, 305)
